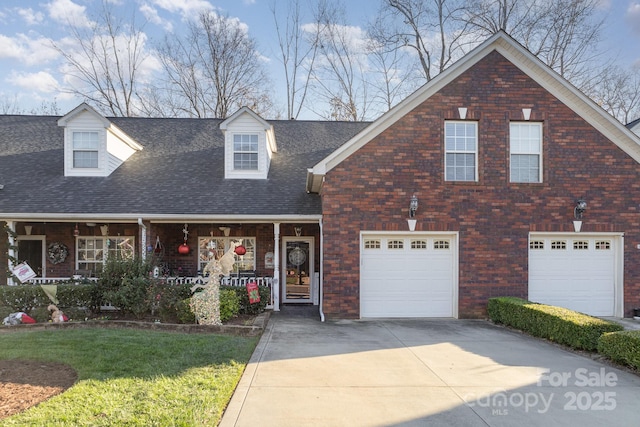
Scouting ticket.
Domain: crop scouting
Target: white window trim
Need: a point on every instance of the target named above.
(474, 152)
(539, 153)
(256, 152)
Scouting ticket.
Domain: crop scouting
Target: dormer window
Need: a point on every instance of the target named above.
(249, 145)
(85, 149)
(245, 151)
(93, 146)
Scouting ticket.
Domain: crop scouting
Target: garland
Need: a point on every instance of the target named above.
(57, 252)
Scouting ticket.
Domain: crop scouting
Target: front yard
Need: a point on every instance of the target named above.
(132, 377)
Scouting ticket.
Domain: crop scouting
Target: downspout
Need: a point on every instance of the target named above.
(321, 271)
(143, 239)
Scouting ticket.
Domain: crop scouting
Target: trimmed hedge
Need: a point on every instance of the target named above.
(622, 347)
(561, 325)
(28, 297)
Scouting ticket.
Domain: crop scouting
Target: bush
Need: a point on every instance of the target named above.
(561, 325)
(170, 299)
(125, 283)
(184, 313)
(245, 306)
(229, 304)
(28, 297)
(622, 347)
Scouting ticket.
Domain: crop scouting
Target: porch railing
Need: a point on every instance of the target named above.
(199, 280)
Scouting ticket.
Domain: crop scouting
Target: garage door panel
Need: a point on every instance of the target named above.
(580, 277)
(415, 280)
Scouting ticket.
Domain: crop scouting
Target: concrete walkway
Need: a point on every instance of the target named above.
(438, 372)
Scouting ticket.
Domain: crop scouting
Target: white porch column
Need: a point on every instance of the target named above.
(11, 252)
(143, 238)
(276, 266)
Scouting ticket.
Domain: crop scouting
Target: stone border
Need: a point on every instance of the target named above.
(256, 329)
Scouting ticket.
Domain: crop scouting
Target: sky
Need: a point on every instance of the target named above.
(31, 72)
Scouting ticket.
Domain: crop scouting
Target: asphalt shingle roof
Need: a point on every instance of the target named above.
(179, 171)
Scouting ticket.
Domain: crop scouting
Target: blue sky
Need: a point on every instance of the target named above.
(30, 68)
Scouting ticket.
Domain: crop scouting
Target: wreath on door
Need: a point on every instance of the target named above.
(57, 252)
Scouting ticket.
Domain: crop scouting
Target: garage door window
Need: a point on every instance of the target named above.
(559, 245)
(603, 245)
(580, 245)
(536, 244)
(395, 244)
(418, 244)
(441, 244)
(372, 244)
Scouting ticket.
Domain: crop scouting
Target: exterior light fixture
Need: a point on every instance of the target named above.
(413, 207)
(76, 232)
(578, 212)
(298, 231)
(225, 230)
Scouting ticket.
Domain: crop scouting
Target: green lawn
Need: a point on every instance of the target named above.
(133, 378)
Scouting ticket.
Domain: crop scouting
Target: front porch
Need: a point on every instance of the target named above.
(282, 256)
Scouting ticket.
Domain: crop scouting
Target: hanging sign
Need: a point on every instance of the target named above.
(23, 272)
(268, 260)
(254, 293)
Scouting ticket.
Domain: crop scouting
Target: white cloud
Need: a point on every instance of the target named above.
(41, 81)
(30, 16)
(249, 2)
(152, 16)
(27, 50)
(633, 16)
(68, 12)
(186, 8)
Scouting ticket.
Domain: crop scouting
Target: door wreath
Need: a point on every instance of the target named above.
(57, 252)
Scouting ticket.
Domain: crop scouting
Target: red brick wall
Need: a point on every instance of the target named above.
(372, 188)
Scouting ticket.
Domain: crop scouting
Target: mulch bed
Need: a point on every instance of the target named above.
(25, 383)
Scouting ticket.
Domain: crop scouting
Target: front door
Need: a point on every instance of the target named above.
(298, 272)
(31, 250)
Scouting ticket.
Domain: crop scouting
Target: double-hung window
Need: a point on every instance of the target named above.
(245, 151)
(85, 149)
(461, 150)
(92, 252)
(525, 142)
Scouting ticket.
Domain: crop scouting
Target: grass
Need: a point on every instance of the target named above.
(133, 378)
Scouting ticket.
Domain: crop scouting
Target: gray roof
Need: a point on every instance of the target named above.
(180, 170)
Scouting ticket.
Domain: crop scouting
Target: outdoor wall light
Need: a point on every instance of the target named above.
(413, 206)
(581, 206)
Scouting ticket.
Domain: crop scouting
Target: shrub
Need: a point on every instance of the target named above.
(169, 300)
(245, 306)
(561, 325)
(229, 304)
(28, 297)
(622, 347)
(125, 283)
(184, 313)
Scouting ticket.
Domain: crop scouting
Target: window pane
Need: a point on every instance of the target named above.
(525, 142)
(245, 161)
(85, 159)
(85, 140)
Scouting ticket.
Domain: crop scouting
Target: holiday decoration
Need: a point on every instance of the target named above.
(184, 249)
(57, 252)
(241, 250)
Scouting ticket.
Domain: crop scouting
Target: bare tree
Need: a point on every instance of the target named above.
(104, 62)
(562, 33)
(212, 71)
(297, 54)
(618, 92)
(431, 29)
(339, 77)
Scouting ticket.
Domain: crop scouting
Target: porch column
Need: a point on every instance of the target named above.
(143, 238)
(276, 266)
(11, 253)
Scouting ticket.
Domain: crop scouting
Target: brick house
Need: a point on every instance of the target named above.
(523, 187)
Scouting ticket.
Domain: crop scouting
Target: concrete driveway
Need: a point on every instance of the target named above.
(438, 372)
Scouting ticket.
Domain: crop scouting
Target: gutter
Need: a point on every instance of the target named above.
(321, 271)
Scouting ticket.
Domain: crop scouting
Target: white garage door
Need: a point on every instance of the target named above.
(408, 275)
(574, 271)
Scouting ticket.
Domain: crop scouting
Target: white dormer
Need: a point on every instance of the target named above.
(93, 146)
(249, 144)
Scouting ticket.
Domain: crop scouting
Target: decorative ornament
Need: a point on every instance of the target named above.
(184, 249)
(57, 252)
(297, 257)
(240, 250)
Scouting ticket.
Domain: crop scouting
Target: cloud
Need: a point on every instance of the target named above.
(27, 50)
(68, 12)
(186, 8)
(632, 16)
(30, 16)
(151, 14)
(42, 81)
